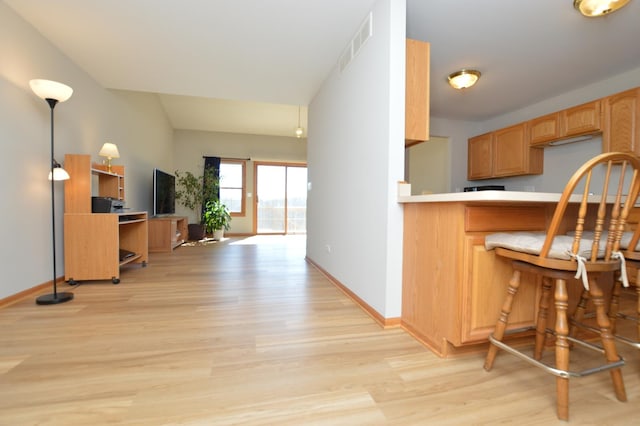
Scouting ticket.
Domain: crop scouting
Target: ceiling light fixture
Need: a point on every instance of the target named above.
(595, 8)
(464, 78)
(299, 130)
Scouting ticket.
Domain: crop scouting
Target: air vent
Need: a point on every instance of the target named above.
(355, 45)
(346, 57)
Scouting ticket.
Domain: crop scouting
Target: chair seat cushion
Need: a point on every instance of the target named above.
(531, 243)
(624, 240)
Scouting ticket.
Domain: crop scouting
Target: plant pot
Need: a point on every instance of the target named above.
(196, 232)
(218, 234)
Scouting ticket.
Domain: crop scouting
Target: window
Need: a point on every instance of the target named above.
(232, 185)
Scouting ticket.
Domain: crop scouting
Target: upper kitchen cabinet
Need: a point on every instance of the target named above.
(583, 119)
(512, 154)
(479, 163)
(544, 129)
(504, 152)
(622, 122)
(417, 93)
(580, 120)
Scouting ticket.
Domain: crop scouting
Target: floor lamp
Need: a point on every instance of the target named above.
(53, 92)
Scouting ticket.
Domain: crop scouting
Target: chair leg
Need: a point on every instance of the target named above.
(578, 314)
(638, 306)
(637, 285)
(562, 348)
(614, 304)
(608, 342)
(543, 315)
(501, 325)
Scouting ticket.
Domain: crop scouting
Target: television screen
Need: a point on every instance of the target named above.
(164, 193)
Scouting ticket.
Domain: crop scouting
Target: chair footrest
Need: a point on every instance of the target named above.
(619, 315)
(622, 339)
(550, 369)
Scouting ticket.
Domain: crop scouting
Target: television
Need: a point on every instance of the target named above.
(164, 193)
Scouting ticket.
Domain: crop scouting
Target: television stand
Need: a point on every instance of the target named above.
(166, 233)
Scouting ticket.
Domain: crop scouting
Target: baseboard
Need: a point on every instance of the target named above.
(30, 292)
(382, 321)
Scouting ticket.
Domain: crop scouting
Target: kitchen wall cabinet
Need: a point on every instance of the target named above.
(580, 120)
(544, 129)
(504, 152)
(479, 164)
(512, 154)
(622, 122)
(417, 92)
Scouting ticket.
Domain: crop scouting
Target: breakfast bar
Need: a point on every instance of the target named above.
(450, 280)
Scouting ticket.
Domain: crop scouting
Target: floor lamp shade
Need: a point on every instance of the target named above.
(53, 92)
(47, 89)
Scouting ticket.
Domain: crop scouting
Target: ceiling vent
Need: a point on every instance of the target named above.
(355, 45)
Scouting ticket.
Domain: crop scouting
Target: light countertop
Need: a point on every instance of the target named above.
(512, 196)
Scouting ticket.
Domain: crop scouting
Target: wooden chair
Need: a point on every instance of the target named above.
(560, 256)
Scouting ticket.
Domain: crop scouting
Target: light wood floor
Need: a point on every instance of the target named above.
(239, 333)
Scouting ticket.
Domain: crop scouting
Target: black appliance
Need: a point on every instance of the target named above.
(106, 205)
(484, 188)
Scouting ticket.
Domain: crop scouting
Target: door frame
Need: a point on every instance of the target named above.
(255, 189)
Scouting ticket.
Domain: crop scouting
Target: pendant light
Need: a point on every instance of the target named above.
(299, 130)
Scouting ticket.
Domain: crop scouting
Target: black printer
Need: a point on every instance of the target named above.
(106, 205)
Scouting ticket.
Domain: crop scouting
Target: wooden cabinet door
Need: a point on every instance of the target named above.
(621, 122)
(511, 151)
(544, 129)
(484, 289)
(417, 92)
(91, 243)
(582, 119)
(480, 154)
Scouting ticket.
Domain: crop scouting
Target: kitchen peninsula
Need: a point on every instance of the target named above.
(452, 287)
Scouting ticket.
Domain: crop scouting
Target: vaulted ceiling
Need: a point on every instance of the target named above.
(247, 65)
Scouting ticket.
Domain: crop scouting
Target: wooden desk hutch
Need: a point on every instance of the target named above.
(92, 241)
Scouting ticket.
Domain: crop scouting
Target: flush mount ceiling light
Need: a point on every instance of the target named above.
(464, 78)
(594, 8)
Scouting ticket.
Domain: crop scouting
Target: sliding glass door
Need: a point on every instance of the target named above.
(281, 198)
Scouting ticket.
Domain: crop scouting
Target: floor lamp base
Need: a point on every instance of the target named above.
(52, 299)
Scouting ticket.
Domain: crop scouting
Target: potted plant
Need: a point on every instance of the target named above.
(216, 218)
(193, 192)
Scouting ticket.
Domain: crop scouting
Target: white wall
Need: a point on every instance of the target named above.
(427, 166)
(355, 159)
(190, 146)
(93, 115)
